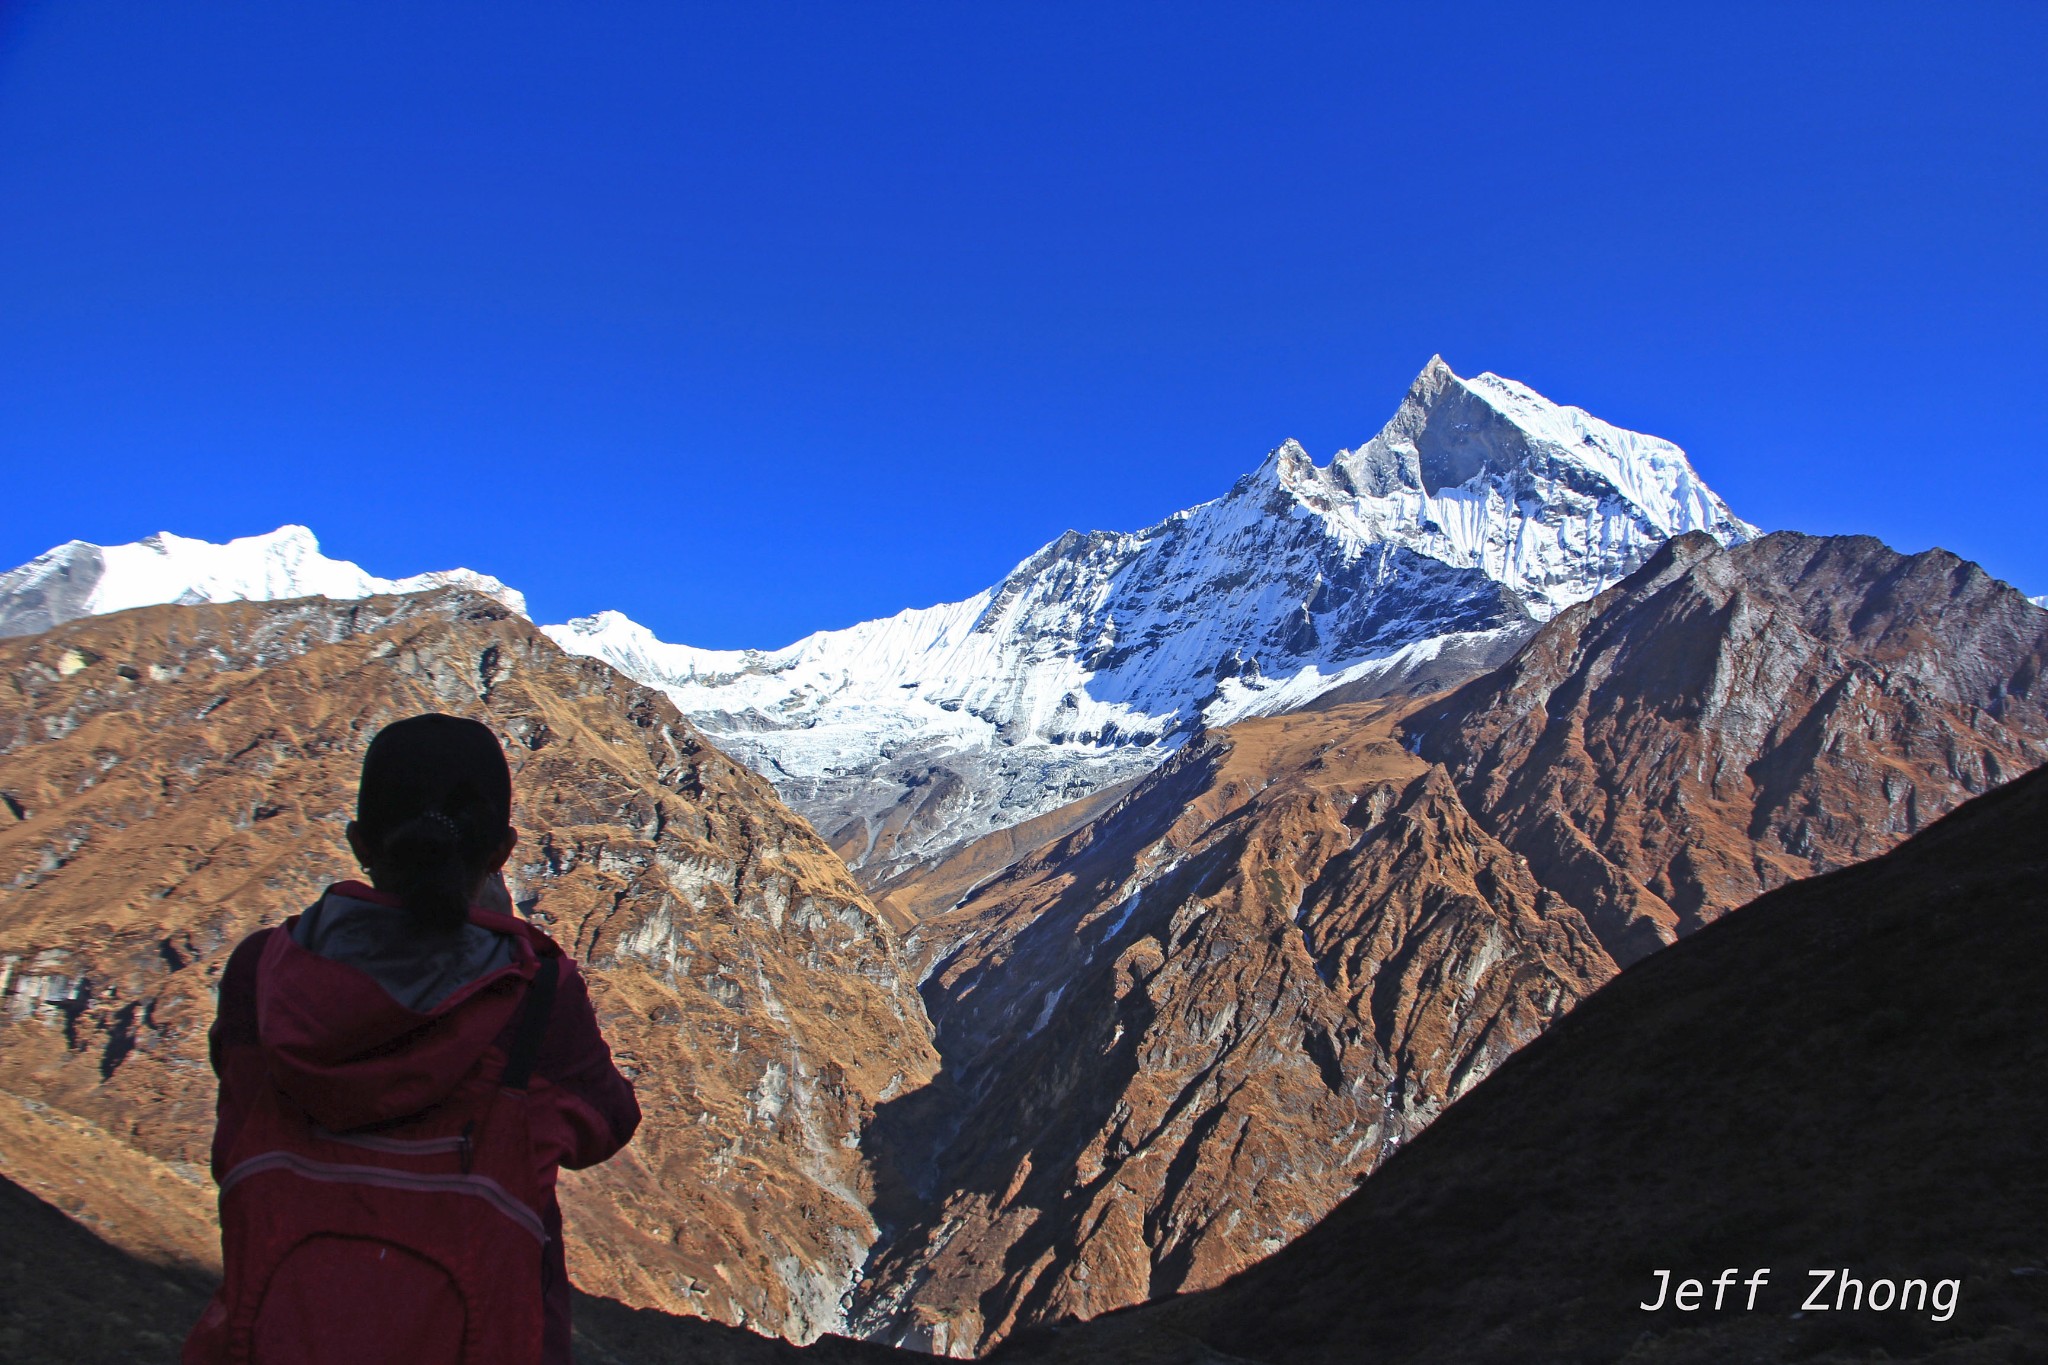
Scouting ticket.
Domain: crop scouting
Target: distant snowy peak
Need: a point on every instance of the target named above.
(2041, 601)
(82, 579)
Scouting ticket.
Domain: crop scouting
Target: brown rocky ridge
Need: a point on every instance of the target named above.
(1729, 719)
(1176, 1036)
(1843, 1075)
(175, 777)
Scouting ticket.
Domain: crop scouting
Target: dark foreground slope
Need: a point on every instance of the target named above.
(1846, 1073)
(66, 1296)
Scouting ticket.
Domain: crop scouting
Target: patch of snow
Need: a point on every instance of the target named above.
(1134, 896)
(1052, 1000)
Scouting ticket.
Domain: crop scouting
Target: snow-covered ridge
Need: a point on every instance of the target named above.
(1480, 509)
(81, 579)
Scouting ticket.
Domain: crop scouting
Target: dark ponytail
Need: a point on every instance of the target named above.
(434, 807)
(423, 862)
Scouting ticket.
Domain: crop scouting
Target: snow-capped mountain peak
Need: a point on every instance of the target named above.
(1543, 497)
(82, 579)
(1478, 510)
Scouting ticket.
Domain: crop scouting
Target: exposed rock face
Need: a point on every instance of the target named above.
(50, 589)
(176, 777)
(1176, 1034)
(1730, 719)
(1480, 509)
(1176, 1037)
(1843, 1075)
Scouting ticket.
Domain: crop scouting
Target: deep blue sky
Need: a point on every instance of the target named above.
(754, 319)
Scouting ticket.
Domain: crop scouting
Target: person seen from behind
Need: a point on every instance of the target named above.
(403, 1069)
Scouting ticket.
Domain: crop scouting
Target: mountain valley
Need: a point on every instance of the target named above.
(1836, 1079)
(1192, 916)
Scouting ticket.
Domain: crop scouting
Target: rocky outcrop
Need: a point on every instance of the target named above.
(1732, 718)
(175, 777)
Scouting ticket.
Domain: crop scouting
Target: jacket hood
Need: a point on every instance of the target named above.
(365, 1019)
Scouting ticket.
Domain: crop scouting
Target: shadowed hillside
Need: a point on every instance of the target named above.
(69, 1298)
(1846, 1073)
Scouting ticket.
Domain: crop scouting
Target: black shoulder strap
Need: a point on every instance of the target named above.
(533, 1024)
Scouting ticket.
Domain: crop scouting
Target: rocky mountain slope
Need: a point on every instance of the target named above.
(80, 579)
(1732, 718)
(1841, 1076)
(171, 778)
(1480, 509)
(1175, 1036)
(1178, 1036)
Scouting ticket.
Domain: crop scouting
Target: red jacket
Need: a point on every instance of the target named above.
(351, 1020)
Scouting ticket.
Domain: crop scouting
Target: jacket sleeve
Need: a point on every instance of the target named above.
(589, 1111)
(233, 1047)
